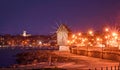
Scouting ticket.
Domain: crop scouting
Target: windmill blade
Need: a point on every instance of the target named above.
(52, 32)
(57, 24)
(53, 27)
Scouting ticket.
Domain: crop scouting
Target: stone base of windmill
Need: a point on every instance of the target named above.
(64, 48)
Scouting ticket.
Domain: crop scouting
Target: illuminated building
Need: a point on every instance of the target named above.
(25, 34)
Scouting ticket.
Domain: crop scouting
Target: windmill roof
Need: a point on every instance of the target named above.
(64, 27)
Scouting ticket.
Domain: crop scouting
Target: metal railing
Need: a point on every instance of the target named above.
(107, 68)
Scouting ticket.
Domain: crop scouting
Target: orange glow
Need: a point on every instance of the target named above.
(79, 34)
(116, 37)
(90, 32)
(98, 39)
(106, 37)
(73, 36)
(68, 41)
(114, 34)
(106, 29)
(40, 42)
(76, 37)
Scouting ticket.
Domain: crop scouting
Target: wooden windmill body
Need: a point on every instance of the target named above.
(62, 36)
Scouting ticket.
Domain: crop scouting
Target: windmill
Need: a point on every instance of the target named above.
(62, 35)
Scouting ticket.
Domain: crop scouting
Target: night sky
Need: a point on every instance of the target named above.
(41, 16)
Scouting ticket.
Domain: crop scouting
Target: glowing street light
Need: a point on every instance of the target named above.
(68, 42)
(40, 43)
(98, 39)
(90, 32)
(106, 29)
(73, 36)
(106, 37)
(114, 34)
(79, 34)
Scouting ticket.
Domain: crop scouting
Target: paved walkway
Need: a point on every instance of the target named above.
(84, 62)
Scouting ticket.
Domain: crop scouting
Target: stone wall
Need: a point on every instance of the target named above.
(112, 55)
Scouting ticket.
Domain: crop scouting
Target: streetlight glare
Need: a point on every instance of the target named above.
(114, 34)
(68, 41)
(40, 42)
(73, 36)
(90, 32)
(106, 29)
(79, 34)
(98, 39)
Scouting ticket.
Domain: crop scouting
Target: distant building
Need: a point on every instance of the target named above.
(62, 35)
(25, 34)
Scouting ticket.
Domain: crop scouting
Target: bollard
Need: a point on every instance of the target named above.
(101, 68)
(115, 68)
(118, 67)
(111, 67)
(106, 68)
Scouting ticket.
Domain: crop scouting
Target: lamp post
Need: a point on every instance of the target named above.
(90, 37)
